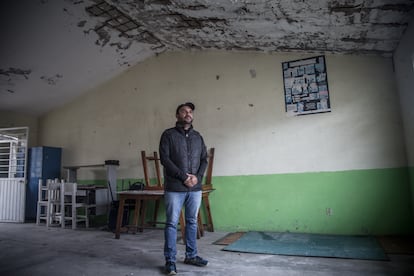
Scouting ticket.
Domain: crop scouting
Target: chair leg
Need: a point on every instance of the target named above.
(86, 217)
(200, 228)
(137, 210)
(210, 226)
(73, 215)
(62, 217)
(156, 207)
(48, 215)
(38, 214)
(143, 212)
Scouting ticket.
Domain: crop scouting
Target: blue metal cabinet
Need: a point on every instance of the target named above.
(43, 163)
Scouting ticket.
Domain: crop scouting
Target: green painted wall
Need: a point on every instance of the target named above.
(374, 201)
(358, 202)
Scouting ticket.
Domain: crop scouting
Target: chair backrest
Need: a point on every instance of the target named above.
(155, 160)
(154, 169)
(209, 173)
(42, 191)
(54, 191)
(69, 189)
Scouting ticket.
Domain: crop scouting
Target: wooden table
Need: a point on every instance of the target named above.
(138, 196)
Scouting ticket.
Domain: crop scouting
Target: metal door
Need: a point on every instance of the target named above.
(13, 162)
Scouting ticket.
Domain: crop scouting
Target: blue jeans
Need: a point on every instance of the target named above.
(174, 202)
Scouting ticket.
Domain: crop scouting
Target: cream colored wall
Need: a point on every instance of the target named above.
(12, 119)
(240, 114)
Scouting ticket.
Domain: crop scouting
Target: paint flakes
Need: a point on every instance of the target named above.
(51, 80)
(82, 23)
(104, 37)
(16, 71)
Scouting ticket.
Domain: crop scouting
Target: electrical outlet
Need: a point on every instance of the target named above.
(329, 211)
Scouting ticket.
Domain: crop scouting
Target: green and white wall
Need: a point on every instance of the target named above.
(343, 172)
(404, 71)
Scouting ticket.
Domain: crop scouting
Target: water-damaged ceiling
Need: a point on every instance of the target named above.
(53, 51)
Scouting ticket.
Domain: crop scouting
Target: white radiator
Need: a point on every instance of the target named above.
(12, 199)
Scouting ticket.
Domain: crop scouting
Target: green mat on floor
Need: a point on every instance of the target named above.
(314, 245)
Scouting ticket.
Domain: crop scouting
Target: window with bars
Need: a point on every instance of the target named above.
(13, 152)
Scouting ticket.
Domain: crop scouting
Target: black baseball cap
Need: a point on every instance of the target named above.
(190, 105)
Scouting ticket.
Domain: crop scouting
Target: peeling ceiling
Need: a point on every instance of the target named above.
(53, 51)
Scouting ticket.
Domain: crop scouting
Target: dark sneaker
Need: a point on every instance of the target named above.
(170, 268)
(198, 261)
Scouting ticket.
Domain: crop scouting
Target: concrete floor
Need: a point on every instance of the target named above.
(31, 250)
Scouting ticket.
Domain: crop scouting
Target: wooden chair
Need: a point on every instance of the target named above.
(156, 168)
(73, 208)
(207, 188)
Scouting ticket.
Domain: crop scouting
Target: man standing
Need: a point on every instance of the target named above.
(184, 157)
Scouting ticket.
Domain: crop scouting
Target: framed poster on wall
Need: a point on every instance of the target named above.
(306, 86)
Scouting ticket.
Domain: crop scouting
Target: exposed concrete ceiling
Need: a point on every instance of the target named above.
(53, 51)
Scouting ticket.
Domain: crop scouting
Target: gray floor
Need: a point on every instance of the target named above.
(28, 249)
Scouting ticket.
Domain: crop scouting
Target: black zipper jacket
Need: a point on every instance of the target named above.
(182, 152)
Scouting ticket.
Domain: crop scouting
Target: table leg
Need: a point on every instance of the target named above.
(119, 217)
(200, 228)
(210, 225)
(142, 215)
(156, 207)
(137, 210)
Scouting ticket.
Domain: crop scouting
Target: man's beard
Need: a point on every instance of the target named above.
(185, 122)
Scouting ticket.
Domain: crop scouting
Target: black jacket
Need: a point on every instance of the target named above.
(182, 152)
